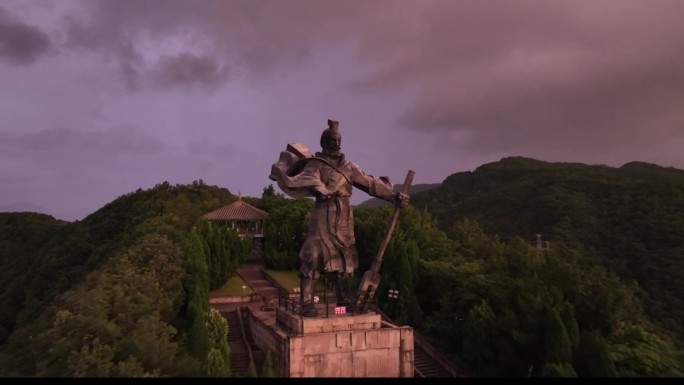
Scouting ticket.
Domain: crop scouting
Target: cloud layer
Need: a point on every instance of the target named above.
(216, 88)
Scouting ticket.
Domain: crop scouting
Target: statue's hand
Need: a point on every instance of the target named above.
(401, 199)
(323, 194)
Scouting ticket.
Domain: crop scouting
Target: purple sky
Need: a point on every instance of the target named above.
(101, 97)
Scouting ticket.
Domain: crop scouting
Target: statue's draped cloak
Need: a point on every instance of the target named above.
(330, 243)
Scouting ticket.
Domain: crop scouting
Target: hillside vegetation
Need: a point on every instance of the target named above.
(628, 219)
(121, 293)
(124, 292)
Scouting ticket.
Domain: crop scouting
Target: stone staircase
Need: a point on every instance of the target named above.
(253, 274)
(239, 355)
(427, 361)
(426, 366)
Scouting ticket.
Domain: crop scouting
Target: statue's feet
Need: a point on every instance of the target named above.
(309, 311)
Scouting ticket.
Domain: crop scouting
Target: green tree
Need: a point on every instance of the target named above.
(557, 369)
(251, 370)
(111, 294)
(267, 370)
(593, 357)
(639, 353)
(117, 323)
(218, 359)
(558, 349)
(286, 228)
(197, 287)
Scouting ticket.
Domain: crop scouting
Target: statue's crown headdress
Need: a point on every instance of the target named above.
(333, 129)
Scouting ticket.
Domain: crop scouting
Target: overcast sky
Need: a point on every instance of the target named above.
(101, 97)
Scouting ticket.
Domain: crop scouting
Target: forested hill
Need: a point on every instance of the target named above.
(122, 292)
(375, 202)
(629, 218)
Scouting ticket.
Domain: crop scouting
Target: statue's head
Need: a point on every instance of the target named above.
(331, 139)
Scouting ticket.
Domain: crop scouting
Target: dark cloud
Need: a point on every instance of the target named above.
(130, 63)
(435, 85)
(189, 70)
(116, 30)
(103, 24)
(21, 43)
(519, 76)
(255, 38)
(95, 146)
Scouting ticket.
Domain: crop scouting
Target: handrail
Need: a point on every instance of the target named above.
(438, 356)
(289, 304)
(435, 354)
(244, 339)
(255, 296)
(284, 301)
(281, 290)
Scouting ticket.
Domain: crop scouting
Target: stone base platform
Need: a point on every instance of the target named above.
(296, 324)
(344, 345)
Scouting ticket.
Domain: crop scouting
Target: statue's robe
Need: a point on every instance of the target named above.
(330, 243)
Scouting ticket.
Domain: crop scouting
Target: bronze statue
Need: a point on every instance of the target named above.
(329, 177)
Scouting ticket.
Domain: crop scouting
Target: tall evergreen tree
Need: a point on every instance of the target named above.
(218, 359)
(197, 287)
(268, 370)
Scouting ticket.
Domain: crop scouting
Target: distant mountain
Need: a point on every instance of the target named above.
(630, 219)
(376, 202)
(22, 206)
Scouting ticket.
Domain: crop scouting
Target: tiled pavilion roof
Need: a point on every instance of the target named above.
(237, 211)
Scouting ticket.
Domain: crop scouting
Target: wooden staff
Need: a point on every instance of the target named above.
(371, 278)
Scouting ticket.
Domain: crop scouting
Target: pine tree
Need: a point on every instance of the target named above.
(251, 370)
(267, 370)
(197, 286)
(594, 357)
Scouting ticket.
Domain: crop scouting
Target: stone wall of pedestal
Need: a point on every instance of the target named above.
(386, 352)
(269, 337)
(338, 346)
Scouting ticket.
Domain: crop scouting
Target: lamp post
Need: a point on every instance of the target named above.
(392, 296)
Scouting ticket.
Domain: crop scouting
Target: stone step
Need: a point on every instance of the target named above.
(426, 366)
(261, 283)
(239, 355)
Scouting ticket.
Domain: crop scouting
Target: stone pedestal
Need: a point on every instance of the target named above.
(296, 324)
(339, 346)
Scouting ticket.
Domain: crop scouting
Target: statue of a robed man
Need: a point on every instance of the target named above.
(328, 177)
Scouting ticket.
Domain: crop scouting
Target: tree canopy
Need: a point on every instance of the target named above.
(519, 268)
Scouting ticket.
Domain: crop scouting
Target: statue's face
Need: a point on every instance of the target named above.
(332, 144)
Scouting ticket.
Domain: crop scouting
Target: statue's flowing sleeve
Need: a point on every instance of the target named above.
(295, 176)
(377, 187)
